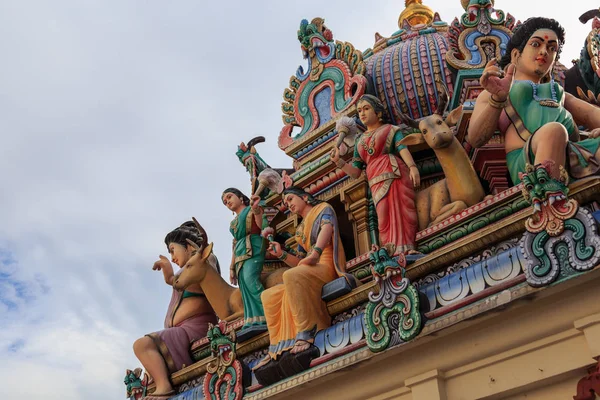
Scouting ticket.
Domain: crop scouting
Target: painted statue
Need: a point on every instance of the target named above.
(392, 175)
(538, 118)
(460, 187)
(248, 253)
(294, 310)
(188, 316)
(250, 158)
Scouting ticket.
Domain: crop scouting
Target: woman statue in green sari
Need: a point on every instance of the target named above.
(248, 254)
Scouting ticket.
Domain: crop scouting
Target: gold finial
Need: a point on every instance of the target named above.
(416, 13)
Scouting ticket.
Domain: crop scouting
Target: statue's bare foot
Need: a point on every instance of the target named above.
(262, 362)
(300, 346)
(411, 252)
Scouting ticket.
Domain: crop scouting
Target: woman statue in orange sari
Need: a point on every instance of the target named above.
(392, 175)
(294, 310)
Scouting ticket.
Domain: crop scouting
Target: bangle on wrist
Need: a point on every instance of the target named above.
(283, 255)
(412, 165)
(495, 103)
(318, 250)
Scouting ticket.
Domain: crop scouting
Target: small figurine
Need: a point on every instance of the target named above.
(188, 316)
(391, 171)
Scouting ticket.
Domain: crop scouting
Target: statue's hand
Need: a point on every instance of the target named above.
(334, 155)
(275, 249)
(162, 263)
(415, 177)
(232, 278)
(255, 204)
(594, 133)
(495, 81)
(243, 147)
(311, 259)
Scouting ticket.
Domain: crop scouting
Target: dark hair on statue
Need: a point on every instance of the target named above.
(301, 193)
(239, 194)
(187, 230)
(377, 105)
(523, 32)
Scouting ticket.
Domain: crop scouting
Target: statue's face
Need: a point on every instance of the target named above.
(232, 201)
(294, 203)
(367, 114)
(539, 54)
(179, 254)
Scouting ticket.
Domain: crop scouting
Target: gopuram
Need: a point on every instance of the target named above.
(436, 238)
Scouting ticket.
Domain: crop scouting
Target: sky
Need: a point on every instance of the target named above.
(119, 120)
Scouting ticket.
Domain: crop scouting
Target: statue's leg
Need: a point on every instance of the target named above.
(423, 206)
(145, 350)
(449, 210)
(550, 143)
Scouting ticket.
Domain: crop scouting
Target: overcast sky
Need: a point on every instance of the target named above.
(119, 120)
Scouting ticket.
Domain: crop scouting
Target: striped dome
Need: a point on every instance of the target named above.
(403, 74)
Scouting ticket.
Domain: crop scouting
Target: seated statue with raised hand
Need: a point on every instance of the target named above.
(537, 117)
(188, 316)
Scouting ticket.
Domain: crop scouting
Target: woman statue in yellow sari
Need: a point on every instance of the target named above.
(294, 310)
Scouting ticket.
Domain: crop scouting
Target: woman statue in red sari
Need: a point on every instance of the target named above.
(391, 172)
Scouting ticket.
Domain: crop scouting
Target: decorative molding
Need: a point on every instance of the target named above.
(561, 237)
(392, 316)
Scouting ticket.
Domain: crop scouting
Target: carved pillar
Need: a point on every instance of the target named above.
(356, 202)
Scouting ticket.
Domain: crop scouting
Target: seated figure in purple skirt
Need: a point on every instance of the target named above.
(167, 351)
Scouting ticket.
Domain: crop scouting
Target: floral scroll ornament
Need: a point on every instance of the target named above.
(561, 237)
(224, 376)
(392, 316)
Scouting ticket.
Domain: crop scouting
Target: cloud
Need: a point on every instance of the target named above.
(119, 121)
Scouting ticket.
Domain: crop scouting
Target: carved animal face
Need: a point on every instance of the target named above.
(136, 387)
(194, 271)
(383, 265)
(539, 188)
(315, 37)
(436, 132)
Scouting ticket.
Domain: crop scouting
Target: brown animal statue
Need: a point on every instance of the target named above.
(461, 187)
(225, 299)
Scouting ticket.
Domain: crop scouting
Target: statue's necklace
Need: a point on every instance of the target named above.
(370, 148)
(553, 102)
